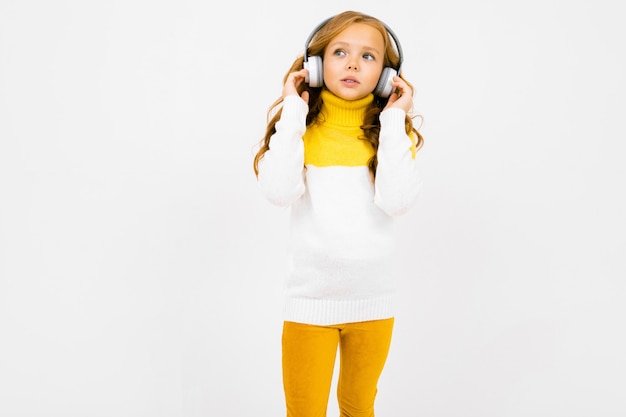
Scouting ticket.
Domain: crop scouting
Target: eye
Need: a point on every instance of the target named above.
(369, 57)
(339, 52)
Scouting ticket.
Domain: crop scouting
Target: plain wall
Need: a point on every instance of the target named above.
(141, 269)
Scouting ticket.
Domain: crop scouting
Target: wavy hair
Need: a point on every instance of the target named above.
(317, 47)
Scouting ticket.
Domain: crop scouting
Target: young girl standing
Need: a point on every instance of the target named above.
(340, 151)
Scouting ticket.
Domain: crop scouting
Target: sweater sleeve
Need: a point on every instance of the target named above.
(281, 170)
(398, 180)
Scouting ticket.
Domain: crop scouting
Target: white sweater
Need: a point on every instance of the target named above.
(341, 240)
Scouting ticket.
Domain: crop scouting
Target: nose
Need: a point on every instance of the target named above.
(352, 66)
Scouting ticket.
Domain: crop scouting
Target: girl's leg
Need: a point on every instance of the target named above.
(363, 352)
(308, 360)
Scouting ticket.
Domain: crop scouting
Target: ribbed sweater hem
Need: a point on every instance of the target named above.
(324, 312)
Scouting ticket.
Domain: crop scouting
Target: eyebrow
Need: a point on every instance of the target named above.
(342, 43)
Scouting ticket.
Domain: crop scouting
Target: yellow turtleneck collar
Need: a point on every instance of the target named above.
(348, 113)
(336, 139)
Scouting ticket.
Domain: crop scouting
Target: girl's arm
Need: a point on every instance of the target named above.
(398, 180)
(281, 170)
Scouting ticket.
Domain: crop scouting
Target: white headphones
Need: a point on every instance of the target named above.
(315, 74)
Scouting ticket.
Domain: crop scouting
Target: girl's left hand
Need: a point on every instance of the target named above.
(402, 96)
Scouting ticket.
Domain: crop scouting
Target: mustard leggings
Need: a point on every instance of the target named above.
(309, 358)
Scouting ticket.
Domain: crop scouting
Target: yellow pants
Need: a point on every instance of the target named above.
(309, 358)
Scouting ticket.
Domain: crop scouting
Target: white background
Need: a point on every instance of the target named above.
(141, 269)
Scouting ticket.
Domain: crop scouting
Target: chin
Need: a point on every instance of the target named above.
(349, 95)
(355, 96)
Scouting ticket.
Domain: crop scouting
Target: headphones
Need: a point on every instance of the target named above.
(315, 75)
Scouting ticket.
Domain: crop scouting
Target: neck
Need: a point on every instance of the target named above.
(338, 111)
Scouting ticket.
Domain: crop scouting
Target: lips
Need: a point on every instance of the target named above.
(350, 81)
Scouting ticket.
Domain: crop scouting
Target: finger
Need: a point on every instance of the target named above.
(305, 96)
(298, 77)
(402, 86)
(299, 74)
(293, 81)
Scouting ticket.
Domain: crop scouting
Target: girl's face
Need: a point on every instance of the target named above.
(353, 61)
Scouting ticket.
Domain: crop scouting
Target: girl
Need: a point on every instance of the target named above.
(340, 151)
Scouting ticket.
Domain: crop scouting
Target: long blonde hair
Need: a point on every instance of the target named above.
(317, 47)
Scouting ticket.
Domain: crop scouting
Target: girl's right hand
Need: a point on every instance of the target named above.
(293, 82)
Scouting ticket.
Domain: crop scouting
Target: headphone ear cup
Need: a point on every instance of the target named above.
(384, 88)
(315, 76)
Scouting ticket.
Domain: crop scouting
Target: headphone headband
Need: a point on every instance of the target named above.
(321, 25)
